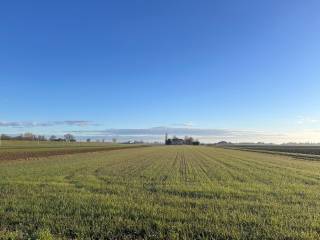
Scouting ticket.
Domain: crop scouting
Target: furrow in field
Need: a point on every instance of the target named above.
(229, 170)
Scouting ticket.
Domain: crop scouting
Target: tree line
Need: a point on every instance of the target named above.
(33, 137)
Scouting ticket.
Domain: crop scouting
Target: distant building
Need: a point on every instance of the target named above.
(177, 141)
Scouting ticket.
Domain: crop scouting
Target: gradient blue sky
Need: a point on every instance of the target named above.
(245, 65)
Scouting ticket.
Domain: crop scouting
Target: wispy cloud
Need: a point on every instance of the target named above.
(186, 124)
(21, 124)
(307, 120)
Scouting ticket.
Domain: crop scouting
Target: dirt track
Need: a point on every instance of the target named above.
(28, 154)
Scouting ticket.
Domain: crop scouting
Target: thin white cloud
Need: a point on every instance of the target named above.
(22, 124)
(307, 120)
(186, 124)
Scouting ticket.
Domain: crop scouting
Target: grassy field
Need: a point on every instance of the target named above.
(176, 192)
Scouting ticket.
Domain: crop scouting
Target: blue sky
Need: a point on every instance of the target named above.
(251, 66)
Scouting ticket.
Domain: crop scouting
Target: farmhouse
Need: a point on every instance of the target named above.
(177, 141)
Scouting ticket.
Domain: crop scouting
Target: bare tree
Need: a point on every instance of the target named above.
(28, 136)
(53, 138)
(69, 137)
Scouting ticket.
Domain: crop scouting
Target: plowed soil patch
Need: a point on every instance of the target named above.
(30, 154)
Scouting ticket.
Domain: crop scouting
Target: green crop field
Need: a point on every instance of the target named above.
(175, 192)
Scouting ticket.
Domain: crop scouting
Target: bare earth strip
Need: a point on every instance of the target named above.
(31, 154)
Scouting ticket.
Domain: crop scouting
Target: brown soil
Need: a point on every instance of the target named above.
(37, 154)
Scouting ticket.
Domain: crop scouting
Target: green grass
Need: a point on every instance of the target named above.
(171, 192)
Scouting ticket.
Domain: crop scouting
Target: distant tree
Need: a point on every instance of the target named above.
(53, 138)
(29, 136)
(114, 140)
(41, 138)
(188, 140)
(88, 140)
(69, 137)
(5, 137)
(20, 137)
(196, 142)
